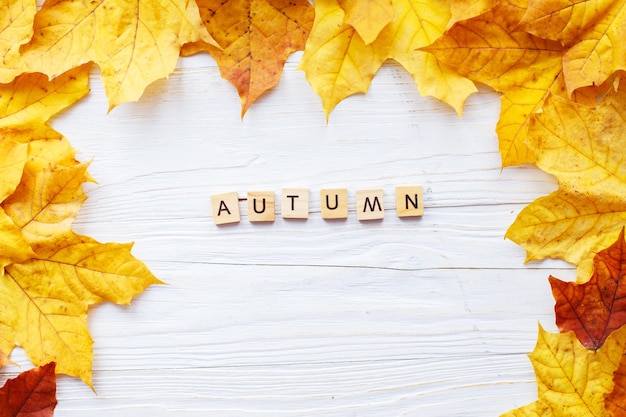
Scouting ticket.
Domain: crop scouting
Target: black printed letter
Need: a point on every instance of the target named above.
(413, 203)
(336, 203)
(293, 204)
(371, 204)
(254, 206)
(223, 207)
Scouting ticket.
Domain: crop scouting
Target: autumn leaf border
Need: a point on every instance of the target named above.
(545, 70)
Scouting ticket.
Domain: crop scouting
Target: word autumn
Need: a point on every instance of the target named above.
(333, 204)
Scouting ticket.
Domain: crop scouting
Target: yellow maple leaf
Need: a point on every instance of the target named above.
(467, 9)
(4, 360)
(536, 409)
(367, 17)
(30, 100)
(133, 42)
(572, 380)
(50, 154)
(592, 31)
(584, 148)
(416, 25)
(13, 157)
(45, 300)
(13, 246)
(257, 36)
(338, 63)
(489, 49)
(16, 29)
(45, 204)
(616, 400)
(49, 275)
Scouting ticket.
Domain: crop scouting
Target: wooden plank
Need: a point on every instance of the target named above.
(429, 316)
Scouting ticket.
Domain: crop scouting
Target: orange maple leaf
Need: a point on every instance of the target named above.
(490, 49)
(592, 31)
(615, 401)
(257, 36)
(597, 308)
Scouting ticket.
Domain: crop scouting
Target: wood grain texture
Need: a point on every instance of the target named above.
(430, 316)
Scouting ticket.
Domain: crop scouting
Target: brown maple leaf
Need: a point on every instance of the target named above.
(595, 309)
(30, 394)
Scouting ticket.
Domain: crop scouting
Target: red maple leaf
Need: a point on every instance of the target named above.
(30, 394)
(597, 307)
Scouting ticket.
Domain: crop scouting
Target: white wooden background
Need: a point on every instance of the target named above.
(417, 317)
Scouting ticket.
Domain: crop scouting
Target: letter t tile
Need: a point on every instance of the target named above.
(295, 203)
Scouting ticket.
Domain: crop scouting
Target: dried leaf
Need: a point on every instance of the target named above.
(45, 204)
(584, 148)
(16, 29)
(133, 42)
(592, 31)
(536, 409)
(50, 155)
(525, 68)
(13, 157)
(338, 63)
(572, 380)
(31, 394)
(30, 100)
(47, 298)
(367, 17)
(4, 360)
(13, 246)
(597, 308)
(417, 24)
(615, 401)
(468, 9)
(257, 36)
(50, 276)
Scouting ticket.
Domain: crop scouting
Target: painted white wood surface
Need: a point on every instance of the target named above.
(418, 317)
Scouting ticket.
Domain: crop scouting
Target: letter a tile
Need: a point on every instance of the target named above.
(261, 206)
(370, 205)
(225, 208)
(410, 201)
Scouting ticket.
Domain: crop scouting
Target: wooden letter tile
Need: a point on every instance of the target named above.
(225, 208)
(370, 204)
(334, 203)
(261, 206)
(410, 201)
(295, 203)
